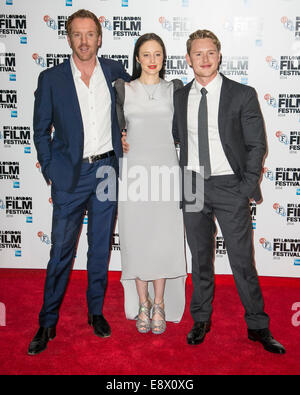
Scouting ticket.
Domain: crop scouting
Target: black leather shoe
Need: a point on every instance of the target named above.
(40, 340)
(197, 334)
(100, 325)
(265, 337)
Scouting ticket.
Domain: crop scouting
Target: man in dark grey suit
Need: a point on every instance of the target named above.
(220, 129)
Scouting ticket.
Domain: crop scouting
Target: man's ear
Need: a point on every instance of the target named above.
(188, 59)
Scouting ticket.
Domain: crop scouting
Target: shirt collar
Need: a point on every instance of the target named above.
(77, 73)
(212, 86)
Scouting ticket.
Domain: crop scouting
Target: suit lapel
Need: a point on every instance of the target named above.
(225, 99)
(184, 110)
(71, 91)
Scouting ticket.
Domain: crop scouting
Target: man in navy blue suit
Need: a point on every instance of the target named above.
(80, 161)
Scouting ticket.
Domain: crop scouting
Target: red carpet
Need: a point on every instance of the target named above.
(76, 350)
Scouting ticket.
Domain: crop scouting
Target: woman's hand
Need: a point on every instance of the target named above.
(125, 145)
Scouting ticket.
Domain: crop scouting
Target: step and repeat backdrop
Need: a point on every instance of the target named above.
(260, 47)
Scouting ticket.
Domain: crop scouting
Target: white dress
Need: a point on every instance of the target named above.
(150, 221)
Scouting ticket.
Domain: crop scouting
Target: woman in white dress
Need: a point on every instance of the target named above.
(150, 221)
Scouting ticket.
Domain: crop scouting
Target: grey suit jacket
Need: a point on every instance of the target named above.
(241, 129)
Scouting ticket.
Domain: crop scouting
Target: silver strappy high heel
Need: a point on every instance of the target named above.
(144, 325)
(158, 326)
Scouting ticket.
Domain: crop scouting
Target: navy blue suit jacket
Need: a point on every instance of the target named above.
(56, 103)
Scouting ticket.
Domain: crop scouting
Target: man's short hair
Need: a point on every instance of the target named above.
(202, 34)
(83, 14)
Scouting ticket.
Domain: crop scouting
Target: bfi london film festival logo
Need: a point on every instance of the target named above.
(13, 136)
(124, 59)
(290, 212)
(176, 65)
(17, 206)
(11, 240)
(49, 60)
(178, 26)
(10, 171)
(251, 27)
(286, 104)
(287, 66)
(9, 101)
(8, 64)
(290, 139)
(14, 25)
(236, 67)
(292, 25)
(58, 25)
(283, 248)
(122, 26)
(283, 177)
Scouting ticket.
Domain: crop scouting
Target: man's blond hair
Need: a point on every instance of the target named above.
(202, 34)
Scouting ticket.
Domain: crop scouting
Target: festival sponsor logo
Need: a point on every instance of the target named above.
(221, 250)
(286, 103)
(122, 26)
(124, 3)
(290, 212)
(49, 60)
(11, 239)
(124, 59)
(8, 65)
(287, 66)
(14, 25)
(69, 3)
(236, 67)
(16, 135)
(180, 27)
(290, 140)
(270, 100)
(18, 205)
(44, 238)
(283, 177)
(10, 171)
(292, 25)
(282, 248)
(9, 101)
(250, 26)
(176, 66)
(58, 24)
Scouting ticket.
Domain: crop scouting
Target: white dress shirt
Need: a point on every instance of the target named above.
(218, 161)
(95, 106)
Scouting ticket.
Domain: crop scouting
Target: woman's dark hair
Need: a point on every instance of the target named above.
(137, 70)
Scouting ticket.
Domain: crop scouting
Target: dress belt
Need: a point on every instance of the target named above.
(96, 158)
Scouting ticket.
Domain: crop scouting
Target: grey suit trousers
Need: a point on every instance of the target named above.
(223, 200)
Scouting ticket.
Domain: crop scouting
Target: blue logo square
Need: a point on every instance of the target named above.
(14, 114)
(23, 40)
(9, 2)
(18, 253)
(29, 220)
(27, 150)
(297, 262)
(16, 184)
(12, 77)
(124, 3)
(68, 3)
